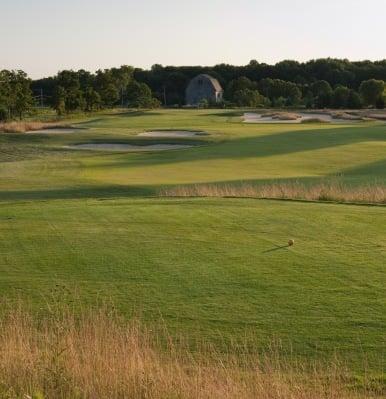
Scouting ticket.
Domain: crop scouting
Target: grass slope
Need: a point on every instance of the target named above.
(212, 268)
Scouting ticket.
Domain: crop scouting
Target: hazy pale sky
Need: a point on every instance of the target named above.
(44, 36)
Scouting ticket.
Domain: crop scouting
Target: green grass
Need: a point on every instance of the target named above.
(212, 268)
(39, 166)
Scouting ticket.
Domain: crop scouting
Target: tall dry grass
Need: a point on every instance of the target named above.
(324, 191)
(23, 126)
(98, 355)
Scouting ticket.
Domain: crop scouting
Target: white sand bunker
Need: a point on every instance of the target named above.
(172, 133)
(128, 147)
(55, 131)
(301, 117)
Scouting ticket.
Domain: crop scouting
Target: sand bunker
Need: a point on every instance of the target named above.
(128, 147)
(55, 131)
(171, 133)
(300, 117)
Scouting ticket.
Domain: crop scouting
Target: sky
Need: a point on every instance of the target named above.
(42, 37)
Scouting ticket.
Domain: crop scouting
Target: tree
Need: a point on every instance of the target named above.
(92, 99)
(248, 98)
(23, 100)
(237, 85)
(68, 91)
(59, 100)
(340, 97)
(15, 94)
(139, 95)
(74, 100)
(109, 95)
(173, 88)
(112, 83)
(279, 102)
(371, 90)
(322, 92)
(309, 100)
(122, 76)
(276, 89)
(292, 93)
(354, 100)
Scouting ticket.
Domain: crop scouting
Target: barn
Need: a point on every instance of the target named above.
(204, 87)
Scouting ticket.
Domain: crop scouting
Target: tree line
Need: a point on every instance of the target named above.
(71, 91)
(322, 83)
(314, 84)
(320, 94)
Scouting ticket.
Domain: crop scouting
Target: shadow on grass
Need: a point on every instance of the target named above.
(229, 114)
(130, 114)
(283, 143)
(93, 192)
(121, 191)
(276, 248)
(88, 122)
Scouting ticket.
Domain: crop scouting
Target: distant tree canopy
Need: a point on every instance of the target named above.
(288, 82)
(318, 83)
(71, 91)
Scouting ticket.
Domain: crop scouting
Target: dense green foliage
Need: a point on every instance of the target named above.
(316, 84)
(286, 83)
(15, 95)
(82, 90)
(173, 80)
(372, 90)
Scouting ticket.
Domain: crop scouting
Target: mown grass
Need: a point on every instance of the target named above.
(218, 269)
(214, 269)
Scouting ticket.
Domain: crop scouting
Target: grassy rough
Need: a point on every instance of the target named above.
(25, 126)
(98, 355)
(331, 191)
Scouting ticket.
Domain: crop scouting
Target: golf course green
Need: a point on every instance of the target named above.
(91, 225)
